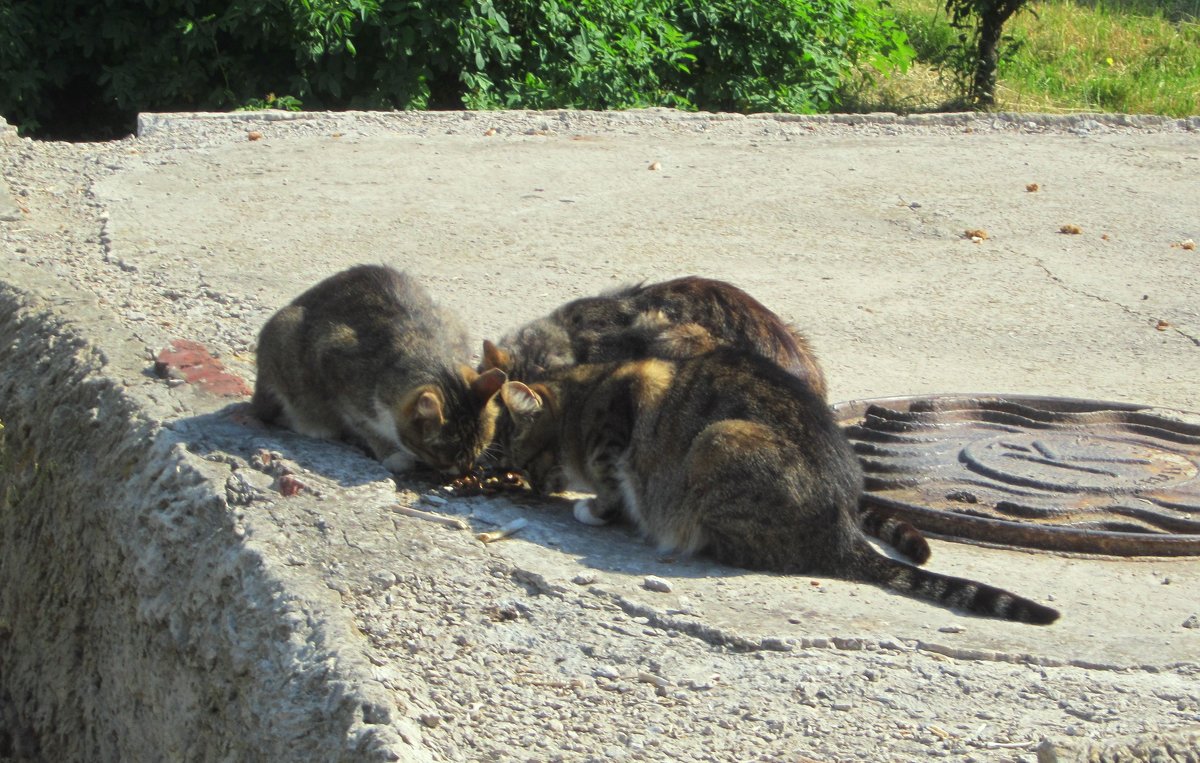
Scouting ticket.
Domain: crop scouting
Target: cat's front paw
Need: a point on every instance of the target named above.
(399, 461)
(585, 512)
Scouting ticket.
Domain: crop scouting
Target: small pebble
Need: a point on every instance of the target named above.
(383, 578)
(1192, 622)
(584, 578)
(431, 720)
(655, 583)
(606, 671)
(951, 629)
(701, 682)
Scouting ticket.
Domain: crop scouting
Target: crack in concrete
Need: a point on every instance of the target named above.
(1128, 310)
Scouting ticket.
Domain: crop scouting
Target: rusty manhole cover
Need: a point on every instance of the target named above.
(1048, 473)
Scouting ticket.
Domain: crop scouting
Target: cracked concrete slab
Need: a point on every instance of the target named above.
(549, 644)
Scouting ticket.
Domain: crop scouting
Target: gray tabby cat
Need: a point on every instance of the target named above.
(726, 454)
(366, 356)
(677, 319)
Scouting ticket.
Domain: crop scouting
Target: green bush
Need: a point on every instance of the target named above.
(75, 63)
(71, 65)
(592, 54)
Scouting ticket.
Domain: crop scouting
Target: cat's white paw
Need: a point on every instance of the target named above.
(585, 513)
(399, 461)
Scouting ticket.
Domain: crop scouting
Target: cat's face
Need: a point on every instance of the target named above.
(449, 426)
(528, 435)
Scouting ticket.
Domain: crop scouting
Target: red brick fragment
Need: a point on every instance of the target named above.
(194, 364)
(289, 486)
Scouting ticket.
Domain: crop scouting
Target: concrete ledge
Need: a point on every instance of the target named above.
(150, 124)
(140, 622)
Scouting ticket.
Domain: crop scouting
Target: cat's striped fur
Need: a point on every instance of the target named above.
(679, 318)
(725, 454)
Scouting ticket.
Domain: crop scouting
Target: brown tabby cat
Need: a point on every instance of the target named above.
(680, 318)
(726, 454)
(366, 356)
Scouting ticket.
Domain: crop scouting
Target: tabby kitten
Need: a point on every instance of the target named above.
(726, 454)
(680, 318)
(366, 356)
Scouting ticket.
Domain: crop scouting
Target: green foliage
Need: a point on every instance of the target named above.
(24, 83)
(950, 43)
(67, 61)
(786, 55)
(590, 55)
(272, 101)
(1126, 56)
(77, 61)
(1106, 58)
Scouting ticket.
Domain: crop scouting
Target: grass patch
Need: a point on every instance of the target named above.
(1125, 56)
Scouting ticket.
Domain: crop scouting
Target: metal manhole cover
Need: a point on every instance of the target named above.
(1048, 473)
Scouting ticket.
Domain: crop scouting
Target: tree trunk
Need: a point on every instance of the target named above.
(991, 26)
(983, 86)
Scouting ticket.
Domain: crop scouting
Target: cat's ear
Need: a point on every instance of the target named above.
(427, 409)
(487, 384)
(520, 399)
(494, 357)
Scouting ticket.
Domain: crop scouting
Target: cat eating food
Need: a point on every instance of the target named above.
(677, 319)
(366, 356)
(726, 454)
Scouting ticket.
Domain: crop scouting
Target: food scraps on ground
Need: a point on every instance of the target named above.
(481, 482)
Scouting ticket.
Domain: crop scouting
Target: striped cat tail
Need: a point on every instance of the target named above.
(969, 595)
(897, 533)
